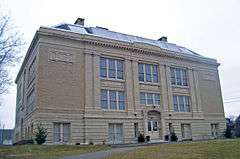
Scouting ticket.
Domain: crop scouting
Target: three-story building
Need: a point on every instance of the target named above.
(90, 84)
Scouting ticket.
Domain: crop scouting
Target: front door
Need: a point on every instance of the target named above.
(153, 125)
(116, 133)
(153, 129)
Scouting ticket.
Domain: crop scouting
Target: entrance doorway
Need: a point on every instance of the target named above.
(153, 125)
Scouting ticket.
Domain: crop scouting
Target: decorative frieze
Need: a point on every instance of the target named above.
(60, 56)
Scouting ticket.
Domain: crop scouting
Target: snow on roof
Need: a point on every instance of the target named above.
(105, 33)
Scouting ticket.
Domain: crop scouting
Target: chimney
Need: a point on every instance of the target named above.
(163, 38)
(79, 21)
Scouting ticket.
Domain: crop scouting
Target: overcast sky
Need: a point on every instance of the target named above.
(211, 28)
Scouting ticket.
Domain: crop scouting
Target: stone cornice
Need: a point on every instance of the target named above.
(135, 48)
(131, 47)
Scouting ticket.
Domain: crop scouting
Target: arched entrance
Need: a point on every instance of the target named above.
(153, 125)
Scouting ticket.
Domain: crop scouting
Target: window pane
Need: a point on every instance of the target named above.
(184, 77)
(119, 69)
(113, 105)
(187, 102)
(119, 74)
(140, 68)
(120, 96)
(112, 68)
(56, 132)
(148, 73)
(103, 72)
(155, 73)
(66, 132)
(119, 65)
(112, 95)
(142, 98)
(141, 77)
(103, 94)
(121, 100)
(103, 62)
(104, 104)
(175, 103)
(111, 73)
(148, 77)
(111, 64)
(149, 98)
(173, 76)
(121, 105)
(157, 99)
(104, 99)
(181, 103)
(155, 78)
(113, 100)
(140, 72)
(178, 74)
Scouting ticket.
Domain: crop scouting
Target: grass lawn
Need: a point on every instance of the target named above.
(45, 151)
(213, 149)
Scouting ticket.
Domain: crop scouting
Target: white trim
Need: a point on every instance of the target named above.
(115, 69)
(184, 103)
(108, 99)
(117, 100)
(151, 73)
(153, 97)
(181, 76)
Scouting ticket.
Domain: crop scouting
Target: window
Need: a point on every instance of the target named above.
(19, 92)
(111, 68)
(148, 73)
(31, 70)
(149, 98)
(112, 99)
(214, 130)
(181, 103)
(61, 132)
(57, 132)
(186, 131)
(179, 77)
(115, 133)
(30, 101)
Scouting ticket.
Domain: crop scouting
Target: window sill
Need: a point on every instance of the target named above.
(149, 83)
(182, 112)
(113, 110)
(143, 105)
(179, 86)
(112, 79)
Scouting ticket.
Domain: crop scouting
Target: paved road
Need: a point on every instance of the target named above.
(100, 154)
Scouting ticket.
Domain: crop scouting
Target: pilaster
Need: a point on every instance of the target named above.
(129, 86)
(88, 82)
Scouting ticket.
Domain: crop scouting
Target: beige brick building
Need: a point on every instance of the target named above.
(90, 84)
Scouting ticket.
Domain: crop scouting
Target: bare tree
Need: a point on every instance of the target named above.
(10, 42)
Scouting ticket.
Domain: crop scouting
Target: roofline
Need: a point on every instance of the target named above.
(91, 37)
(35, 38)
(88, 37)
